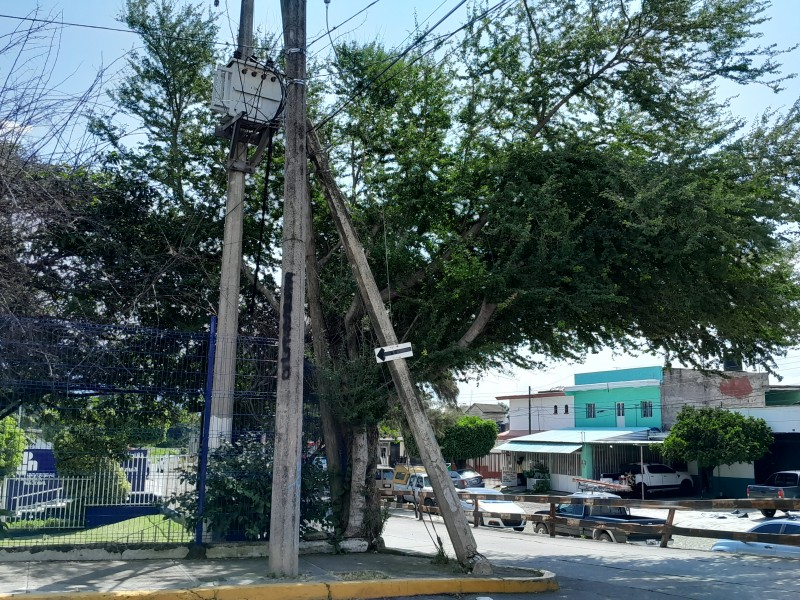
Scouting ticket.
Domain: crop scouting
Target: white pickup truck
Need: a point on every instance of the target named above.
(651, 477)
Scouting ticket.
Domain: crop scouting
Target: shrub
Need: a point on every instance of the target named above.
(239, 493)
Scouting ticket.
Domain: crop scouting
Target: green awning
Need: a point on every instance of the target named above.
(544, 448)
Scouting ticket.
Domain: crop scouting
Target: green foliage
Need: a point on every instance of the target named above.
(12, 444)
(142, 239)
(440, 420)
(715, 436)
(612, 202)
(356, 390)
(106, 426)
(541, 473)
(167, 88)
(239, 493)
(92, 435)
(468, 437)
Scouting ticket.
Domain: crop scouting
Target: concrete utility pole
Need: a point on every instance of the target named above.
(228, 313)
(284, 532)
(449, 504)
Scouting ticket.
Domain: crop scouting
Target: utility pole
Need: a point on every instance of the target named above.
(284, 533)
(529, 410)
(446, 495)
(228, 313)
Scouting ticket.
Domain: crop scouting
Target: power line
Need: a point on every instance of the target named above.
(335, 27)
(360, 92)
(107, 28)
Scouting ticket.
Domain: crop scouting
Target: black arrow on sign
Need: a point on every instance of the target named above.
(382, 354)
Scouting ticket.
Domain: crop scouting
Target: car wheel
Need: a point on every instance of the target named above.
(429, 502)
(768, 512)
(541, 528)
(519, 528)
(641, 490)
(686, 487)
(604, 536)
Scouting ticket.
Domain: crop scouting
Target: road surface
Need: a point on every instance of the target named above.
(591, 570)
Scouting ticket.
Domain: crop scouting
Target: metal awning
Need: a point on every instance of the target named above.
(514, 446)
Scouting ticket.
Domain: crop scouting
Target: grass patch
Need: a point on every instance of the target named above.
(153, 452)
(150, 529)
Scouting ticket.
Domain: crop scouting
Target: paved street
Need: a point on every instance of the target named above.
(590, 570)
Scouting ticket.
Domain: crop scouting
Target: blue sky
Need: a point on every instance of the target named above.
(83, 50)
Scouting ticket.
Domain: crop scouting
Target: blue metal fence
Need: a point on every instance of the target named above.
(86, 395)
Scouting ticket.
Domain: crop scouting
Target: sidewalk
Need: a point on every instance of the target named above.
(322, 576)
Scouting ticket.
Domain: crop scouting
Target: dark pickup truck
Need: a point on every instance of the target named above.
(780, 485)
(597, 522)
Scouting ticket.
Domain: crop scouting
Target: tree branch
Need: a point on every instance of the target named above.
(267, 293)
(478, 325)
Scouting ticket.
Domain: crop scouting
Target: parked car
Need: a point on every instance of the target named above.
(590, 516)
(516, 514)
(466, 478)
(417, 482)
(384, 475)
(400, 483)
(651, 477)
(776, 526)
(780, 485)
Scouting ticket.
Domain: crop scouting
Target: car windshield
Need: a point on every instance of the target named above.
(466, 473)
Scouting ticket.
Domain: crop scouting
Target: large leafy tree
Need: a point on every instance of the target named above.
(568, 181)
(715, 436)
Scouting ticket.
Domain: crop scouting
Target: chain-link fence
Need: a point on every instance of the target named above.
(107, 434)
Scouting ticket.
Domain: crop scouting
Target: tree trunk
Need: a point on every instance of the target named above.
(331, 430)
(373, 514)
(359, 459)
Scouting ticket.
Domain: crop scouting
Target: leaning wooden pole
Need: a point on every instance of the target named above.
(455, 521)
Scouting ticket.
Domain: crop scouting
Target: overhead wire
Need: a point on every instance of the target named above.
(363, 89)
(62, 23)
(335, 27)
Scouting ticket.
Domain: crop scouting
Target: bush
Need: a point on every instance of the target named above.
(12, 444)
(239, 493)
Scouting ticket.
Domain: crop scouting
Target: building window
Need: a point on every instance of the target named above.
(620, 409)
(647, 408)
(590, 414)
(555, 409)
(566, 409)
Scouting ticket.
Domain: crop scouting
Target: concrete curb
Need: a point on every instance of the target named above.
(109, 552)
(336, 590)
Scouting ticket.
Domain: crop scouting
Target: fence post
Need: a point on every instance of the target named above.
(202, 460)
(667, 533)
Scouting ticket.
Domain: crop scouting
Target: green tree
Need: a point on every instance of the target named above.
(166, 90)
(92, 436)
(12, 444)
(469, 437)
(714, 437)
(567, 181)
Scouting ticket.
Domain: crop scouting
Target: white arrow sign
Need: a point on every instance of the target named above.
(393, 352)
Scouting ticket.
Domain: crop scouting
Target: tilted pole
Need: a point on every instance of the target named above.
(446, 495)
